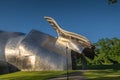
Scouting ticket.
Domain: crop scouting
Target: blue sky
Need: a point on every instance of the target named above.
(94, 19)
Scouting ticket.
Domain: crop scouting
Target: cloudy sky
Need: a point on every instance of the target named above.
(94, 19)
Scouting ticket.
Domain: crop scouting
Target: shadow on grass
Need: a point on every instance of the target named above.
(102, 67)
(106, 78)
(102, 74)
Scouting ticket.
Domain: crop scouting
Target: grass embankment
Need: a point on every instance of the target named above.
(33, 75)
(102, 74)
(98, 72)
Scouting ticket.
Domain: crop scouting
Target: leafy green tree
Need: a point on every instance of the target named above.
(107, 51)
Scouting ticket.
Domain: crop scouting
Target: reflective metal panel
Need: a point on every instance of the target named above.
(39, 51)
(42, 52)
(35, 52)
(12, 52)
(4, 38)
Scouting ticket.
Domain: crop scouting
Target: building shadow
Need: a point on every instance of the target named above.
(6, 68)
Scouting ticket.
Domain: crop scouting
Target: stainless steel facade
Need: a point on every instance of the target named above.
(36, 51)
(4, 39)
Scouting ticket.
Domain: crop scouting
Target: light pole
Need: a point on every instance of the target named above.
(67, 62)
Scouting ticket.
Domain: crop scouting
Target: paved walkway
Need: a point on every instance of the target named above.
(72, 76)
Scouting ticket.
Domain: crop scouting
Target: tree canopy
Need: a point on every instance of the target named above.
(107, 51)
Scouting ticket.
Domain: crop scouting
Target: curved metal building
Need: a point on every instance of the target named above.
(36, 51)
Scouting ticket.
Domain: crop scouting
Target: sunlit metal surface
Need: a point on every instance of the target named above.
(43, 51)
(38, 51)
(75, 41)
(4, 38)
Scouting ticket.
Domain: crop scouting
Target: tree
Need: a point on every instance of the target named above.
(108, 51)
(112, 1)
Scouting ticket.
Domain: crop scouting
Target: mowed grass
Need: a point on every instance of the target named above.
(32, 75)
(45, 75)
(102, 74)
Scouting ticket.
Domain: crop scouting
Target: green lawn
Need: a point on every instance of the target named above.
(33, 75)
(102, 74)
(44, 75)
